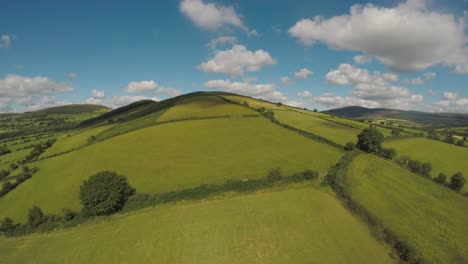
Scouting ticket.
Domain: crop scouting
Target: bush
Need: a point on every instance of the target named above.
(370, 140)
(105, 193)
(310, 174)
(7, 186)
(441, 179)
(68, 214)
(426, 169)
(389, 153)
(350, 146)
(6, 225)
(457, 181)
(35, 217)
(274, 175)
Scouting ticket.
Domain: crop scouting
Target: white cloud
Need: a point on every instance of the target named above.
(370, 89)
(405, 38)
(5, 41)
(362, 59)
(250, 79)
(429, 76)
(212, 17)
(96, 97)
(118, 101)
(263, 91)
(303, 73)
(45, 102)
(450, 96)
(304, 94)
(237, 60)
(221, 41)
(167, 91)
(455, 105)
(72, 75)
(141, 87)
(17, 86)
(285, 80)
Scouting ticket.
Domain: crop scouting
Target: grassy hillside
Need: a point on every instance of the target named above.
(431, 218)
(444, 157)
(172, 156)
(299, 225)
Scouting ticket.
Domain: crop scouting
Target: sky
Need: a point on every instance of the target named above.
(410, 55)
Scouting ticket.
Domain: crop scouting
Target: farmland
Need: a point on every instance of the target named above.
(256, 228)
(431, 218)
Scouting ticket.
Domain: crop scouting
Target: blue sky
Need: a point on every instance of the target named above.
(400, 54)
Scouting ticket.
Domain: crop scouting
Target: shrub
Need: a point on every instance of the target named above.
(35, 217)
(6, 225)
(395, 132)
(7, 186)
(389, 153)
(370, 140)
(441, 179)
(426, 169)
(68, 214)
(310, 174)
(105, 193)
(274, 175)
(350, 146)
(414, 165)
(457, 181)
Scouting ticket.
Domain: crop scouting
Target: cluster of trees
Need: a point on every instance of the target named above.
(370, 140)
(266, 112)
(39, 149)
(446, 137)
(457, 181)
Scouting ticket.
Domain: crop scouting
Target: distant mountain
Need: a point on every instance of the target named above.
(436, 119)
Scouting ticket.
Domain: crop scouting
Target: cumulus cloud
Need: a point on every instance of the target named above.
(211, 16)
(5, 41)
(304, 94)
(285, 80)
(118, 101)
(45, 102)
(371, 89)
(221, 41)
(450, 103)
(427, 77)
(141, 86)
(303, 73)
(167, 91)
(262, 91)
(96, 97)
(236, 60)
(424, 38)
(17, 86)
(450, 96)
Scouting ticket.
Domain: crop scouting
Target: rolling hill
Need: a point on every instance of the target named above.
(433, 119)
(208, 139)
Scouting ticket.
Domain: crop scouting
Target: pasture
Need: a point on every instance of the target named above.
(431, 218)
(294, 225)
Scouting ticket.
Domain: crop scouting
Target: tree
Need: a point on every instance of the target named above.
(315, 110)
(350, 146)
(461, 143)
(426, 169)
(105, 193)
(6, 225)
(389, 153)
(395, 132)
(370, 140)
(310, 174)
(441, 179)
(35, 216)
(7, 186)
(415, 166)
(457, 181)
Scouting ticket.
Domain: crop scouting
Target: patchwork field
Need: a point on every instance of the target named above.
(431, 218)
(297, 225)
(335, 132)
(444, 157)
(169, 157)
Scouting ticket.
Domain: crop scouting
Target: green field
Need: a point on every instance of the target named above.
(172, 156)
(335, 132)
(297, 225)
(431, 218)
(444, 157)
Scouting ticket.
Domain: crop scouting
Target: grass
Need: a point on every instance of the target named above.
(169, 157)
(444, 157)
(335, 132)
(300, 225)
(431, 218)
(203, 106)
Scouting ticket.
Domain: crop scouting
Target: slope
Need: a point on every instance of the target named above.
(431, 218)
(256, 228)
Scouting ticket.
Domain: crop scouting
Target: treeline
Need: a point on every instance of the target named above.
(447, 137)
(7, 186)
(107, 193)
